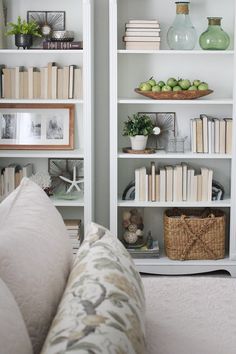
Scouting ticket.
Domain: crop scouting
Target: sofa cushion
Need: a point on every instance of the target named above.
(35, 256)
(14, 337)
(102, 310)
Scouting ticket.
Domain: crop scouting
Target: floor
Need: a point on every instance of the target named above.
(190, 315)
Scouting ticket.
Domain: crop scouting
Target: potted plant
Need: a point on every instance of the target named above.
(23, 32)
(138, 128)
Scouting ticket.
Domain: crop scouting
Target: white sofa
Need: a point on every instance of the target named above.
(50, 306)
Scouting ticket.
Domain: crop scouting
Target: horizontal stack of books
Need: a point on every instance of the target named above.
(173, 184)
(142, 35)
(11, 177)
(51, 82)
(211, 135)
(73, 229)
(62, 45)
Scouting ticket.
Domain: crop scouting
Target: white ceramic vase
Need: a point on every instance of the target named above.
(138, 142)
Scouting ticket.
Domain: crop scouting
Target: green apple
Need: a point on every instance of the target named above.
(151, 81)
(172, 82)
(203, 86)
(196, 83)
(185, 84)
(192, 88)
(145, 86)
(177, 88)
(161, 84)
(156, 88)
(166, 88)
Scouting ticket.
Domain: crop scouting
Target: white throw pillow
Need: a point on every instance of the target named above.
(35, 256)
(14, 337)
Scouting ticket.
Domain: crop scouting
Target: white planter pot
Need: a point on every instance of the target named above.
(138, 142)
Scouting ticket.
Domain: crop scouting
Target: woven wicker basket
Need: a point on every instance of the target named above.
(193, 234)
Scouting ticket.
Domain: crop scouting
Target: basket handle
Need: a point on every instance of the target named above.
(196, 236)
(206, 213)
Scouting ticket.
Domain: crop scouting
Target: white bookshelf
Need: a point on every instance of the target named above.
(79, 18)
(127, 69)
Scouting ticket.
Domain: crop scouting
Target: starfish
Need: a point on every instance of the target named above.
(74, 183)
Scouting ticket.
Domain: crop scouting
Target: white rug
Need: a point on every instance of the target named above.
(190, 315)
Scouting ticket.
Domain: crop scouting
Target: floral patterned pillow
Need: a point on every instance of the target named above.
(102, 309)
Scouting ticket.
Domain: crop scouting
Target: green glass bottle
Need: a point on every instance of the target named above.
(214, 38)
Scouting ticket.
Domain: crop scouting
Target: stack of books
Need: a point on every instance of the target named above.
(50, 82)
(11, 177)
(73, 229)
(173, 184)
(142, 35)
(211, 135)
(62, 45)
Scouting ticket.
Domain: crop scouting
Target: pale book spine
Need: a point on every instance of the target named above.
(194, 197)
(17, 83)
(13, 83)
(228, 135)
(149, 188)
(213, 137)
(185, 180)
(192, 187)
(141, 39)
(157, 188)
(71, 81)
(146, 187)
(210, 179)
(50, 65)
(205, 133)
(162, 185)
(153, 182)
(193, 134)
(199, 135)
(21, 85)
(204, 172)
(222, 136)
(217, 135)
(54, 82)
(143, 21)
(60, 84)
(137, 185)
(25, 85)
(144, 25)
(7, 83)
(142, 34)
(66, 82)
(36, 76)
(169, 183)
(142, 45)
(30, 83)
(189, 185)
(179, 186)
(199, 188)
(209, 136)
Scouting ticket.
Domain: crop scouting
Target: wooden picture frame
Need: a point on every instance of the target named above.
(37, 126)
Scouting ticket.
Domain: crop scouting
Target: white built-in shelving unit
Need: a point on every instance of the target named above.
(127, 69)
(79, 18)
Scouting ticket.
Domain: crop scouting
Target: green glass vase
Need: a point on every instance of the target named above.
(214, 38)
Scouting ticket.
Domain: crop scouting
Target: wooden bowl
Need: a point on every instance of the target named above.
(174, 95)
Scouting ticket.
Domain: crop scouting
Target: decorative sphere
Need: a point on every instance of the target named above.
(132, 228)
(130, 237)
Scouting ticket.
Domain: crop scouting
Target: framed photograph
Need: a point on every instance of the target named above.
(54, 19)
(37, 126)
(166, 121)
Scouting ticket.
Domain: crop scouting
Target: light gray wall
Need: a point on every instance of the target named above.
(101, 62)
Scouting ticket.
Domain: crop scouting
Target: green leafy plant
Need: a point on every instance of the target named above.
(138, 124)
(23, 27)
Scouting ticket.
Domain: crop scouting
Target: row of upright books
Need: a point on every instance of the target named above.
(50, 82)
(59, 45)
(73, 227)
(211, 135)
(173, 184)
(11, 176)
(142, 35)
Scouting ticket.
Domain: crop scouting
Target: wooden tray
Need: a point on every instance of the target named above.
(174, 95)
(128, 150)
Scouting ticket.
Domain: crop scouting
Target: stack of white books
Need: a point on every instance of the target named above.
(142, 35)
(177, 183)
(73, 229)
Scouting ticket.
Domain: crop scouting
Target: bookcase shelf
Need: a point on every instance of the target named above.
(79, 18)
(177, 52)
(130, 67)
(226, 203)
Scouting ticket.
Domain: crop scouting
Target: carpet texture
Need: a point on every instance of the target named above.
(190, 315)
